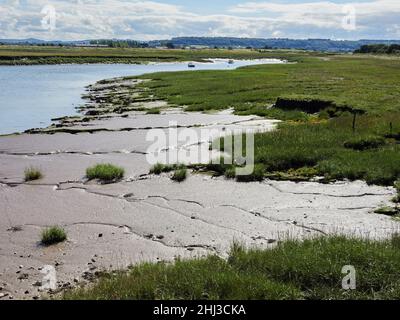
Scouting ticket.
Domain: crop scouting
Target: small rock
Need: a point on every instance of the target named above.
(190, 249)
(2, 295)
(93, 260)
(21, 266)
(23, 276)
(37, 284)
(100, 235)
(160, 237)
(35, 297)
(26, 292)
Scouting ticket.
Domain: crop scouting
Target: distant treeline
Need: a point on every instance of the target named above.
(120, 43)
(380, 49)
(326, 45)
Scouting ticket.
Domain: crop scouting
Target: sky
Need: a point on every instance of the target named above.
(163, 19)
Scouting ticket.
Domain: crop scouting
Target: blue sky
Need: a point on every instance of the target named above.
(160, 19)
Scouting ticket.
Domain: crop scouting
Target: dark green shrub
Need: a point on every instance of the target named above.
(105, 173)
(180, 175)
(53, 235)
(32, 174)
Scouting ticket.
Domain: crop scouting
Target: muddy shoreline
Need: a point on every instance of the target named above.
(146, 217)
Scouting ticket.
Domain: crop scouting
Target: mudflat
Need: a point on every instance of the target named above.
(147, 217)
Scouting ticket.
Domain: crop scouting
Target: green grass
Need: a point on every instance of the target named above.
(53, 235)
(32, 174)
(180, 175)
(366, 83)
(159, 168)
(105, 173)
(293, 270)
(323, 149)
(315, 97)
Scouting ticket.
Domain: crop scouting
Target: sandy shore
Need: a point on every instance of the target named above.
(147, 217)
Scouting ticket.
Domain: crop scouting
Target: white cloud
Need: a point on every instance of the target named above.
(86, 19)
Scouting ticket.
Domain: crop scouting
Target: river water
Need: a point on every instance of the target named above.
(30, 96)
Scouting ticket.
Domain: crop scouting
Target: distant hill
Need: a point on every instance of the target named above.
(306, 44)
(226, 42)
(33, 41)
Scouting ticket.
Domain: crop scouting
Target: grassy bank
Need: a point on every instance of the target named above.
(316, 97)
(330, 148)
(358, 82)
(33, 55)
(293, 270)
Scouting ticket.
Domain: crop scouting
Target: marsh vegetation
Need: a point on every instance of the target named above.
(105, 172)
(53, 235)
(292, 270)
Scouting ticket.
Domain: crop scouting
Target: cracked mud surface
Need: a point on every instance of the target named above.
(146, 217)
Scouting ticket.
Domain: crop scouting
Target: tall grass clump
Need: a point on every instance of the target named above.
(310, 269)
(105, 173)
(159, 168)
(32, 174)
(53, 235)
(180, 175)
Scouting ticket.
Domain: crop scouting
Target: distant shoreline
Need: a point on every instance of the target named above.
(35, 55)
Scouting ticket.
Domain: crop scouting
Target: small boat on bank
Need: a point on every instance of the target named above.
(231, 61)
(191, 65)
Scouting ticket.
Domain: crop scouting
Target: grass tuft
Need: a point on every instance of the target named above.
(53, 235)
(32, 174)
(180, 175)
(105, 173)
(159, 168)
